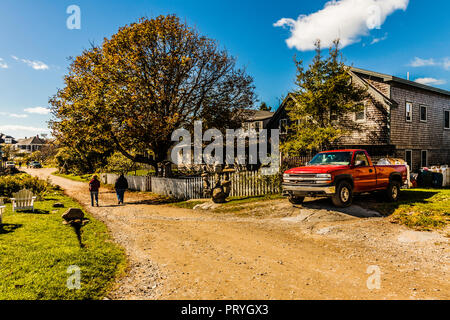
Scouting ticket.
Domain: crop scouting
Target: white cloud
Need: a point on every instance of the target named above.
(36, 65)
(38, 110)
(3, 65)
(347, 20)
(18, 130)
(418, 62)
(430, 81)
(446, 63)
(376, 40)
(13, 115)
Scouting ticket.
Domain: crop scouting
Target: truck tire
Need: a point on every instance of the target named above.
(393, 191)
(296, 200)
(343, 196)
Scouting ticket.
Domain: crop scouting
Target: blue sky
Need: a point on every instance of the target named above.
(389, 36)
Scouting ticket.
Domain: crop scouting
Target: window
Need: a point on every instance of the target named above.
(424, 158)
(447, 119)
(283, 126)
(332, 158)
(259, 125)
(333, 115)
(361, 157)
(408, 158)
(423, 114)
(409, 108)
(360, 115)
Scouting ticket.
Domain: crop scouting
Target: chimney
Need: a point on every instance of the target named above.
(407, 76)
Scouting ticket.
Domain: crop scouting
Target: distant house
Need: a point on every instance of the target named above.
(404, 119)
(257, 119)
(30, 145)
(5, 139)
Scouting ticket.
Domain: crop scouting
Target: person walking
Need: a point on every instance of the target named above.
(94, 186)
(121, 186)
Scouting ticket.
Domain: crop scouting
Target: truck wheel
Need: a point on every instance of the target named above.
(393, 191)
(343, 196)
(296, 200)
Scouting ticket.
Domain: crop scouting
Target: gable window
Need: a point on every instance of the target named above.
(409, 108)
(424, 158)
(408, 158)
(447, 119)
(423, 113)
(361, 115)
(283, 126)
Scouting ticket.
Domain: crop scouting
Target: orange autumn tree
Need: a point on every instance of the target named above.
(147, 80)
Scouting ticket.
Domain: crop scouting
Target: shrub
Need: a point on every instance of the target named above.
(12, 184)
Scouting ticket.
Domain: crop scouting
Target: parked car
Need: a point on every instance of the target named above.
(34, 165)
(10, 164)
(340, 174)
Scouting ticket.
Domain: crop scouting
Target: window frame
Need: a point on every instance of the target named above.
(365, 114)
(421, 158)
(426, 113)
(406, 111)
(406, 158)
(365, 156)
(445, 112)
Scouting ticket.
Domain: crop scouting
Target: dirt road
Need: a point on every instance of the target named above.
(275, 252)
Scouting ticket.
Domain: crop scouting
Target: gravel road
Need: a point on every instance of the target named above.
(275, 252)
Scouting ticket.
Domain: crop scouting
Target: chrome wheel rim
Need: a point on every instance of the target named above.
(394, 192)
(345, 194)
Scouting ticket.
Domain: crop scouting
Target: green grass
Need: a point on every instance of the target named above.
(36, 250)
(81, 178)
(141, 172)
(421, 209)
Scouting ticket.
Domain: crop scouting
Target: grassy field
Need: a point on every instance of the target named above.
(82, 178)
(421, 209)
(37, 249)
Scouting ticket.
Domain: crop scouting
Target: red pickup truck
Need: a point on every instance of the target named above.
(340, 174)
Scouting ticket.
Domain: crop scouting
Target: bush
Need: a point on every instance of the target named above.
(12, 184)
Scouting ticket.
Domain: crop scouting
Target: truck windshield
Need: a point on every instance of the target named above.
(332, 158)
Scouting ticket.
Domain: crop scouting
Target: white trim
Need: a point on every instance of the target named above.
(420, 113)
(406, 111)
(421, 159)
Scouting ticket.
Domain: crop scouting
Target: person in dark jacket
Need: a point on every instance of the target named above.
(121, 186)
(94, 186)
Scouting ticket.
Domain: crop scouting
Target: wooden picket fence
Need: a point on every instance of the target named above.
(243, 184)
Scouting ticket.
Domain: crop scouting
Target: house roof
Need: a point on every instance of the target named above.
(32, 140)
(388, 78)
(259, 115)
(3, 137)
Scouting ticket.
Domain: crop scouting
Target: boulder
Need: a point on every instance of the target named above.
(73, 214)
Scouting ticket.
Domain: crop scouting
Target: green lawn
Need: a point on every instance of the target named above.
(82, 178)
(422, 209)
(36, 249)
